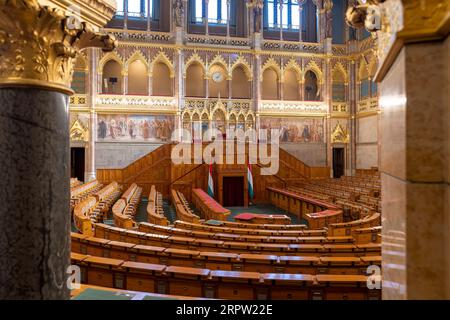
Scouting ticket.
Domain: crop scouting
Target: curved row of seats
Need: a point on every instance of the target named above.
(182, 208)
(155, 212)
(223, 261)
(208, 206)
(262, 230)
(221, 284)
(95, 207)
(346, 228)
(83, 191)
(203, 244)
(125, 208)
(171, 231)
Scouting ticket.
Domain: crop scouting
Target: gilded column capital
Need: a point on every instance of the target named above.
(38, 45)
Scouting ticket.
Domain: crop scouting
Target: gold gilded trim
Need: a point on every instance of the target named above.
(39, 44)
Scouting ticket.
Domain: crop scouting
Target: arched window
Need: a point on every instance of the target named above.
(195, 81)
(288, 16)
(291, 85)
(311, 87)
(162, 82)
(241, 86)
(217, 11)
(112, 78)
(137, 78)
(338, 86)
(270, 85)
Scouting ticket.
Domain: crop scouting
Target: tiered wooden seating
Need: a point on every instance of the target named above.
(184, 212)
(95, 207)
(233, 224)
(314, 246)
(253, 229)
(125, 208)
(155, 212)
(222, 260)
(318, 213)
(301, 238)
(366, 235)
(346, 228)
(74, 182)
(209, 208)
(263, 218)
(222, 284)
(83, 191)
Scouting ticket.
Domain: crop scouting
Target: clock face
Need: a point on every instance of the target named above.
(217, 76)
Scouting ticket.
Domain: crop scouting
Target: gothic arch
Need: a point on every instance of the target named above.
(137, 55)
(271, 64)
(293, 65)
(242, 62)
(339, 68)
(162, 57)
(107, 57)
(312, 66)
(194, 58)
(218, 60)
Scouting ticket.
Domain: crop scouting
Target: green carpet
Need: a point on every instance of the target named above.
(96, 294)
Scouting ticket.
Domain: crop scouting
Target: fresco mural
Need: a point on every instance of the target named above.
(135, 128)
(303, 130)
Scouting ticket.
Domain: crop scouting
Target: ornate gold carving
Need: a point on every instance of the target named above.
(38, 45)
(340, 135)
(78, 132)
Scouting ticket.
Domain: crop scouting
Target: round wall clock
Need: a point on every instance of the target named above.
(217, 76)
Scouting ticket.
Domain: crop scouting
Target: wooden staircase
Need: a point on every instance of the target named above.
(156, 168)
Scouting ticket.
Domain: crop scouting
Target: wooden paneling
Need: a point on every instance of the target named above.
(157, 168)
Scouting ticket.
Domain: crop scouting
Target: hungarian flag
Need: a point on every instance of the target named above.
(210, 182)
(250, 180)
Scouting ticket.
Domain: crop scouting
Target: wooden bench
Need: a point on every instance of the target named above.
(209, 208)
(202, 282)
(155, 212)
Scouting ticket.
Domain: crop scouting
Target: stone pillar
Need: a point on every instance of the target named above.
(34, 164)
(91, 173)
(414, 99)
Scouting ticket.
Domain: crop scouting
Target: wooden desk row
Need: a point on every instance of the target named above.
(241, 225)
(198, 282)
(202, 244)
(253, 218)
(222, 261)
(318, 213)
(346, 228)
(155, 212)
(94, 208)
(83, 191)
(184, 212)
(172, 231)
(125, 208)
(251, 231)
(209, 208)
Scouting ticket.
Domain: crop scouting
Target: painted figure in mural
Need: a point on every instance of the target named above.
(146, 130)
(305, 134)
(178, 11)
(131, 129)
(102, 129)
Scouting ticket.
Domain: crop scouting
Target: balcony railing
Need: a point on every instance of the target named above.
(141, 36)
(340, 107)
(217, 40)
(134, 103)
(293, 107)
(210, 103)
(307, 47)
(368, 105)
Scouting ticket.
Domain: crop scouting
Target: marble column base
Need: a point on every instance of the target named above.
(89, 176)
(34, 194)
